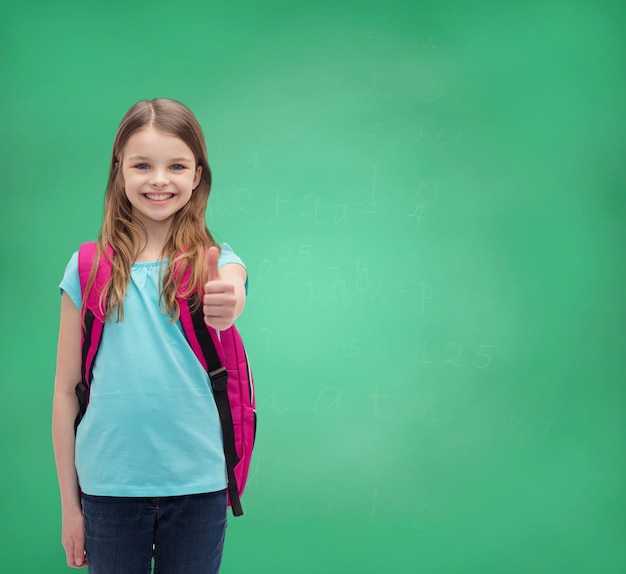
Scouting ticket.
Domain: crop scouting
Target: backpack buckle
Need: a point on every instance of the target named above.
(219, 379)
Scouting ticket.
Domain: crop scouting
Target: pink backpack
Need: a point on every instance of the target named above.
(221, 354)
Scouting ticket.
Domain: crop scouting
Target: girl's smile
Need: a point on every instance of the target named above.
(159, 197)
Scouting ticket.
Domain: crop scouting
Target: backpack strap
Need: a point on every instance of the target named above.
(93, 311)
(205, 343)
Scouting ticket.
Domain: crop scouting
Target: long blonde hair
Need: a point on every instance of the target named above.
(189, 237)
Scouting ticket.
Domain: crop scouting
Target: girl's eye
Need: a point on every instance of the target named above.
(142, 166)
(178, 167)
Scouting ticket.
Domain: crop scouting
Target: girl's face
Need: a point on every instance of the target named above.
(160, 174)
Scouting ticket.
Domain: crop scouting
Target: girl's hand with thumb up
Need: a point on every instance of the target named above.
(224, 293)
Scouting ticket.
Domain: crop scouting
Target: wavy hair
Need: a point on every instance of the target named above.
(188, 239)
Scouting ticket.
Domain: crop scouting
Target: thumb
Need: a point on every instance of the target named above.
(79, 553)
(214, 255)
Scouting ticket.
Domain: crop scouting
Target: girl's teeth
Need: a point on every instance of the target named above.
(158, 197)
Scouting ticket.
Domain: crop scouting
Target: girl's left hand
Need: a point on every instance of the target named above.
(220, 299)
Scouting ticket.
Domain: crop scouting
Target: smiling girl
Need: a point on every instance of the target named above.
(144, 476)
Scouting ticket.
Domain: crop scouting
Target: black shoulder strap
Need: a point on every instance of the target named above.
(219, 382)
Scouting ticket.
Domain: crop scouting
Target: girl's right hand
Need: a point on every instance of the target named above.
(73, 539)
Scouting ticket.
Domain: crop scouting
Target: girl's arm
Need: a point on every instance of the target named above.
(64, 411)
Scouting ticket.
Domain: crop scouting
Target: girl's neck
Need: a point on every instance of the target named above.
(149, 255)
(154, 242)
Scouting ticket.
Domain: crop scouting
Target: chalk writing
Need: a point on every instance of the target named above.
(313, 209)
(454, 351)
(424, 196)
(378, 399)
(427, 516)
(422, 407)
(369, 289)
(242, 200)
(263, 279)
(328, 400)
(370, 205)
(426, 295)
(454, 354)
(423, 360)
(277, 203)
(253, 472)
(264, 339)
(279, 406)
(438, 138)
(341, 214)
(483, 359)
(350, 347)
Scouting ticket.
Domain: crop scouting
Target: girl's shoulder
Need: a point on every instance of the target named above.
(70, 283)
(227, 255)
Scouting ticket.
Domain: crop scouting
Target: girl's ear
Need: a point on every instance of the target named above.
(197, 177)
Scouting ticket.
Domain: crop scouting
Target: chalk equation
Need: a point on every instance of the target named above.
(454, 354)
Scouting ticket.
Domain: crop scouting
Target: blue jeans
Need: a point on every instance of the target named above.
(184, 534)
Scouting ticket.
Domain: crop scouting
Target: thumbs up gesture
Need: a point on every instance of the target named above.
(220, 300)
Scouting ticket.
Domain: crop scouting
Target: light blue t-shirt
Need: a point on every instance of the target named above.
(152, 427)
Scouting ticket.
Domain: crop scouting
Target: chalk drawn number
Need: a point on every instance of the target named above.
(483, 359)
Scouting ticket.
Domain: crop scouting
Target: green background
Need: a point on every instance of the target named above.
(429, 197)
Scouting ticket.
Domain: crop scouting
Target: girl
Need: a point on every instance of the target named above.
(148, 453)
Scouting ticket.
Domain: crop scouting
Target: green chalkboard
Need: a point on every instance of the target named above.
(429, 197)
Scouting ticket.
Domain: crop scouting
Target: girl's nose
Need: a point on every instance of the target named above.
(159, 178)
